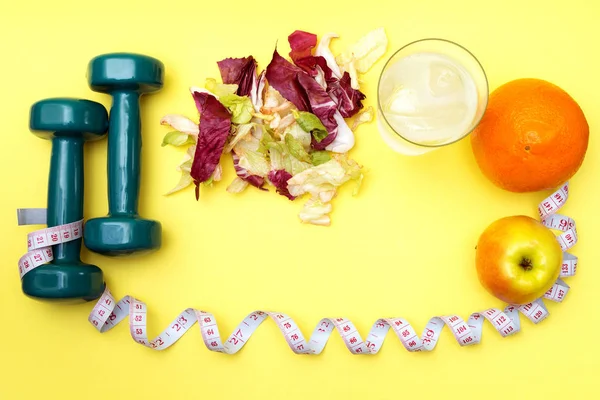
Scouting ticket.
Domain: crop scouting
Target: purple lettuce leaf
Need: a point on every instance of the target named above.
(215, 123)
(283, 76)
(302, 43)
(279, 179)
(254, 180)
(348, 100)
(238, 71)
(305, 93)
(327, 72)
(323, 107)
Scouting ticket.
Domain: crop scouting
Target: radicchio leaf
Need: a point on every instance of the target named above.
(302, 44)
(323, 107)
(348, 99)
(305, 93)
(215, 122)
(279, 179)
(238, 71)
(283, 76)
(254, 180)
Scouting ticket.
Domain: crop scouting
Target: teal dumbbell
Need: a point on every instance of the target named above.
(68, 123)
(125, 77)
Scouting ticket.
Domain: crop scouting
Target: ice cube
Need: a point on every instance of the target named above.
(444, 79)
(403, 101)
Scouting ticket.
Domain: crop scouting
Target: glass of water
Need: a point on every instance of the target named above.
(431, 93)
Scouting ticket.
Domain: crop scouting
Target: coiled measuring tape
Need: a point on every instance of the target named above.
(39, 245)
(107, 312)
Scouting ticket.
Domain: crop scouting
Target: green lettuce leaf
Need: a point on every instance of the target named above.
(316, 212)
(254, 162)
(250, 143)
(311, 123)
(299, 134)
(353, 170)
(360, 56)
(183, 183)
(188, 159)
(238, 185)
(219, 89)
(176, 138)
(240, 107)
(240, 132)
(264, 117)
(320, 181)
(180, 124)
(185, 166)
(276, 157)
(267, 135)
(296, 149)
(319, 157)
(363, 117)
(295, 166)
(281, 158)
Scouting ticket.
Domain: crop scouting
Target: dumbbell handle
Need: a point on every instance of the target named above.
(65, 192)
(124, 152)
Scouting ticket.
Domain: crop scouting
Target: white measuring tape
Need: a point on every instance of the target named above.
(107, 313)
(39, 245)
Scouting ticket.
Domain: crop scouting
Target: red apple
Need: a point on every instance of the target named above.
(518, 259)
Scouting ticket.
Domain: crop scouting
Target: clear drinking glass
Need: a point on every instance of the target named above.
(431, 93)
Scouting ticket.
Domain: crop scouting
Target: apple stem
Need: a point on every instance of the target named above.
(526, 264)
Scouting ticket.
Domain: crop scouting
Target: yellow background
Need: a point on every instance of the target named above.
(403, 247)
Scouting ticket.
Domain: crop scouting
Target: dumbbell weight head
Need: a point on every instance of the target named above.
(68, 123)
(125, 76)
(125, 71)
(116, 235)
(64, 116)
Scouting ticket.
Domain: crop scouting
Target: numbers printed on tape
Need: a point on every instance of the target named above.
(39, 245)
(569, 265)
(107, 312)
(554, 202)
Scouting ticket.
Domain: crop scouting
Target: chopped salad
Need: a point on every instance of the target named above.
(283, 127)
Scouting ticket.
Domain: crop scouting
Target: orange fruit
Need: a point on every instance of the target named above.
(533, 136)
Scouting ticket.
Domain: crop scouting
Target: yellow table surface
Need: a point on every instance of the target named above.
(404, 247)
